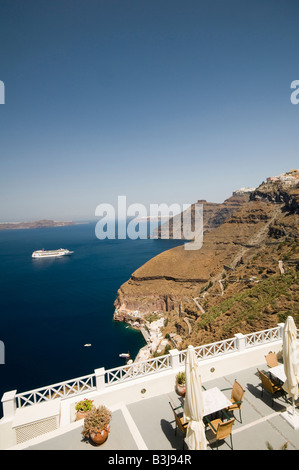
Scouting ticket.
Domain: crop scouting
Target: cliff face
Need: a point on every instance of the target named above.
(159, 285)
(214, 214)
(203, 293)
(278, 193)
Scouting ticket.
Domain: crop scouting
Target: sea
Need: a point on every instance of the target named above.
(51, 308)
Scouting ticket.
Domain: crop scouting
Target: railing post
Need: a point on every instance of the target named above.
(174, 358)
(9, 404)
(100, 378)
(281, 327)
(240, 342)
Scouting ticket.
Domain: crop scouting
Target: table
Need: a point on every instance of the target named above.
(278, 372)
(214, 400)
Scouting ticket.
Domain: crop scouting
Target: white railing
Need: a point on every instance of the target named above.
(135, 370)
(103, 378)
(261, 337)
(59, 390)
(212, 350)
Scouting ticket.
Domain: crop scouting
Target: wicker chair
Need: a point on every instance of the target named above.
(221, 430)
(236, 398)
(180, 424)
(271, 359)
(272, 387)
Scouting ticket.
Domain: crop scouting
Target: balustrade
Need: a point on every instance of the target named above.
(103, 378)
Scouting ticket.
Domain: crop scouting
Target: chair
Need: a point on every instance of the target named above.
(271, 359)
(179, 423)
(236, 398)
(272, 387)
(221, 430)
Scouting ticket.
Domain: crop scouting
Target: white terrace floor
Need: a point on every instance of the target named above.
(148, 423)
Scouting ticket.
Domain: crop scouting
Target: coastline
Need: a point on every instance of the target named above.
(150, 330)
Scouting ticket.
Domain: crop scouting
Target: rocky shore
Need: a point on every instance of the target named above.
(150, 327)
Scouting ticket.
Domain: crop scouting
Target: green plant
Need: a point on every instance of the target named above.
(283, 447)
(96, 419)
(151, 317)
(249, 305)
(180, 377)
(84, 405)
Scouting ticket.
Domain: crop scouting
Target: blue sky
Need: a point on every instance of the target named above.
(165, 101)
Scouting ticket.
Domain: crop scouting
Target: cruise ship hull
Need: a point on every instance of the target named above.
(41, 254)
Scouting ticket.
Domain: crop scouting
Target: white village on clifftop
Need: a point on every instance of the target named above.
(290, 178)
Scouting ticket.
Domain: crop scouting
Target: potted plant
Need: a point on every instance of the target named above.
(97, 424)
(180, 383)
(83, 407)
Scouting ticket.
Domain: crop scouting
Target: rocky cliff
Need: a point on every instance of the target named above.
(278, 193)
(244, 278)
(214, 214)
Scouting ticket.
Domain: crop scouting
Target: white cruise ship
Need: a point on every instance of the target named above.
(51, 253)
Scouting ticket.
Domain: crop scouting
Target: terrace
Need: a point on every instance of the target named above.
(138, 396)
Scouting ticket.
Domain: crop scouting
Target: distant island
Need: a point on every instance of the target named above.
(44, 223)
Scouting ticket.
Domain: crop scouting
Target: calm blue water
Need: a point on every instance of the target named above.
(50, 308)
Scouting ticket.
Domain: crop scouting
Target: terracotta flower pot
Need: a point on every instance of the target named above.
(181, 389)
(101, 436)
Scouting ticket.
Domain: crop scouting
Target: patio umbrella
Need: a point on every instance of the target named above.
(193, 408)
(290, 359)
